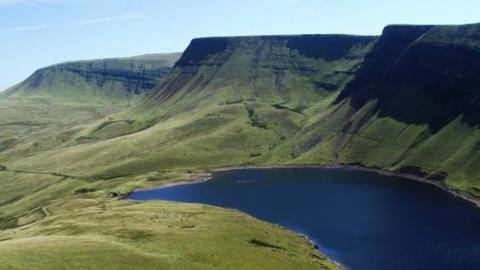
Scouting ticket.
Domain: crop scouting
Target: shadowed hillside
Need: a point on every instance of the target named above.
(415, 105)
(434, 70)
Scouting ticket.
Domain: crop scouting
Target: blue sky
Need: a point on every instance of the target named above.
(37, 33)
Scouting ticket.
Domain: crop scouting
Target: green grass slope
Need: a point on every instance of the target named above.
(55, 220)
(92, 234)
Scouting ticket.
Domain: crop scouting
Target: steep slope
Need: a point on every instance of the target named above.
(436, 71)
(414, 106)
(106, 80)
(291, 70)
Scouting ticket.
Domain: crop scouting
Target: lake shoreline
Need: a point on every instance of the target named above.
(462, 195)
(209, 175)
(317, 249)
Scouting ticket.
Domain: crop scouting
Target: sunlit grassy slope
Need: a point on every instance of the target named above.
(51, 219)
(405, 102)
(83, 233)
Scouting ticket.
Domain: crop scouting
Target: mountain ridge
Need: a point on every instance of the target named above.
(108, 80)
(255, 54)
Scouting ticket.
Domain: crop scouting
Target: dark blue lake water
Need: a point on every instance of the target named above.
(363, 220)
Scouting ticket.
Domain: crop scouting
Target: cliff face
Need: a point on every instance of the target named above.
(328, 47)
(414, 105)
(121, 78)
(435, 74)
(391, 45)
(200, 49)
(287, 68)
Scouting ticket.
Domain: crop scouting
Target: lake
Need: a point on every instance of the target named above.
(363, 220)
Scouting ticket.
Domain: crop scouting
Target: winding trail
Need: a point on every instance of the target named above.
(45, 212)
(65, 176)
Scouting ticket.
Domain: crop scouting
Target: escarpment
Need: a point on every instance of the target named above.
(116, 78)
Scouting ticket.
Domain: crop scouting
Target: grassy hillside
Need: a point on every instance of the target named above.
(55, 220)
(115, 80)
(238, 107)
(79, 232)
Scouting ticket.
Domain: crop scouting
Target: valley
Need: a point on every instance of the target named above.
(75, 137)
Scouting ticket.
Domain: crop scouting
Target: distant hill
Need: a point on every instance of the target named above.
(104, 80)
